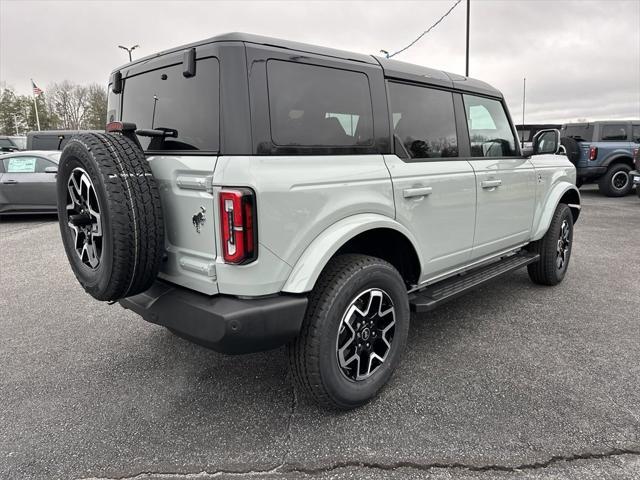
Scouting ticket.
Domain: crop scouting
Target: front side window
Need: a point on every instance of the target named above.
(187, 109)
(636, 133)
(489, 128)
(20, 164)
(614, 133)
(318, 106)
(423, 121)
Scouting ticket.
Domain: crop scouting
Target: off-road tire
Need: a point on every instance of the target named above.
(130, 210)
(312, 354)
(572, 148)
(545, 271)
(606, 182)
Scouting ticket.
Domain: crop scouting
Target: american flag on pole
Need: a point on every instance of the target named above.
(37, 91)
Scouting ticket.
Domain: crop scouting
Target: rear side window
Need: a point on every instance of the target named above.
(613, 132)
(578, 132)
(318, 106)
(166, 99)
(489, 128)
(423, 121)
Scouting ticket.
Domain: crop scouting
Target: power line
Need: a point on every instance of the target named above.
(423, 33)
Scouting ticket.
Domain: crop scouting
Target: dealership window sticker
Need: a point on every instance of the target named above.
(22, 165)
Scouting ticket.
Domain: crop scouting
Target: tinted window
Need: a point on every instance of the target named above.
(578, 132)
(5, 142)
(525, 134)
(423, 121)
(613, 132)
(42, 164)
(49, 142)
(636, 133)
(318, 106)
(20, 142)
(166, 99)
(489, 128)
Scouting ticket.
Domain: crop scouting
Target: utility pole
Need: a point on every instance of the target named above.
(129, 49)
(468, 21)
(524, 91)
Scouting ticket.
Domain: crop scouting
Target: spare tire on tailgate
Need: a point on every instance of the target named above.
(110, 215)
(572, 147)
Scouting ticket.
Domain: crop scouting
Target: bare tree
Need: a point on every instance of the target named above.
(69, 103)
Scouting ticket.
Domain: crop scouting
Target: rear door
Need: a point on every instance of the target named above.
(505, 181)
(158, 95)
(434, 187)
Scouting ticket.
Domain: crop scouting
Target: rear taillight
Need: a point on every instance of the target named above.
(636, 155)
(593, 153)
(238, 226)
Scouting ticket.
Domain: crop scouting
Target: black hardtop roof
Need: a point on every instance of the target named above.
(537, 125)
(598, 122)
(391, 68)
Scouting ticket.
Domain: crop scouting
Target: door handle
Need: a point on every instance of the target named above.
(491, 183)
(10, 182)
(416, 192)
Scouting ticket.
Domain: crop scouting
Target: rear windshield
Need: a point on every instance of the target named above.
(578, 132)
(21, 142)
(524, 135)
(166, 99)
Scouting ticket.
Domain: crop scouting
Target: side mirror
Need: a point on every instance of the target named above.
(546, 142)
(51, 170)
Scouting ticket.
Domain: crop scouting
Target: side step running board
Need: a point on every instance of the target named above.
(433, 295)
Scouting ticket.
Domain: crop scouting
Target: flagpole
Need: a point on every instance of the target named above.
(35, 105)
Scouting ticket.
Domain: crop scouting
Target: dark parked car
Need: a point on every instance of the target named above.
(51, 139)
(603, 153)
(12, 143)
(28, 182)
(526, 132)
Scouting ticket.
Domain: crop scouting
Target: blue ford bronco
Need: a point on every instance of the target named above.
(603, 152)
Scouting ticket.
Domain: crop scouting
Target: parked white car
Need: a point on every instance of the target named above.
(253, 192)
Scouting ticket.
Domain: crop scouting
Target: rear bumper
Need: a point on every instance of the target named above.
(587, 173)
(223, 323)
(635, 177)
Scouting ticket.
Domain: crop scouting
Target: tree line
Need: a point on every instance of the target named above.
(62, 106)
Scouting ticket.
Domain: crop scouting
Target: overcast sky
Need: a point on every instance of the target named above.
(581, 59)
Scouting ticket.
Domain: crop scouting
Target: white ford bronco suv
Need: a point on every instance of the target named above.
(251, 193)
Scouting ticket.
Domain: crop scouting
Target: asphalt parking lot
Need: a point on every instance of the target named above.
(512, 381)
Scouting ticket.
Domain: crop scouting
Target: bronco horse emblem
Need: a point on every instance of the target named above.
(199, 219)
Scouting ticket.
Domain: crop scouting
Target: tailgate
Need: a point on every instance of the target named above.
(187, 207)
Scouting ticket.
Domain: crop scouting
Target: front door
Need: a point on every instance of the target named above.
(505, 181)
(26, 186)
(434, 189)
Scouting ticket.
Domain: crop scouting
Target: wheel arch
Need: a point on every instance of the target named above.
(624, 158)
(369, 234)
(564, 192)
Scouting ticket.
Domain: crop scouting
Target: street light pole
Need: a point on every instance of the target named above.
(468, 21)
(129, 50)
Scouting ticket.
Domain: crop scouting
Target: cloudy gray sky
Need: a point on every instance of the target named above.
(581, 58)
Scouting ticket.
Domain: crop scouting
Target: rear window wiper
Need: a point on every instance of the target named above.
(157, 132)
